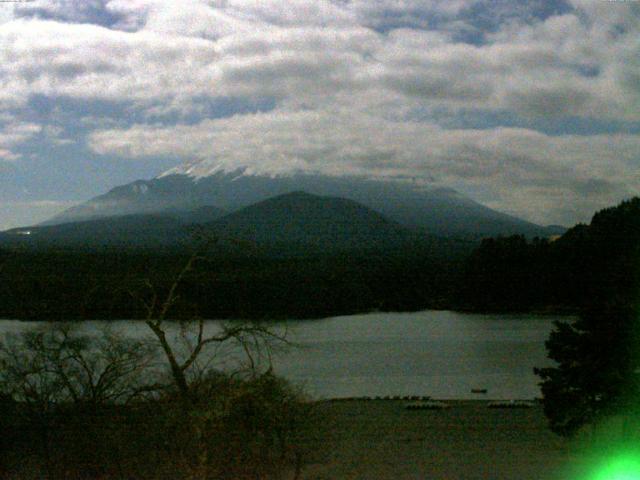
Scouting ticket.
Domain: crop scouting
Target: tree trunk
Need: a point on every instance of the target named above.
(177, 372)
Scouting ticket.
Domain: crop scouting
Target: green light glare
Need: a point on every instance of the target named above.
(619, 467)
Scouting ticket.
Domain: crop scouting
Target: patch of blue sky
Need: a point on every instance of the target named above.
(77, 116)
(71, 171)
(74, 11)
(549, 125)
(472, 24)
(588, 71)
(391, 19)
(491, 15)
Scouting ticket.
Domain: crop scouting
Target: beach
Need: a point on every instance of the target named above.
(382, 439)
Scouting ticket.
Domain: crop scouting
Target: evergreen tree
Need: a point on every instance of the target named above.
(598, 356)
(598, 368)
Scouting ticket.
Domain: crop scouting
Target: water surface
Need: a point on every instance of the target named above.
(437, 353)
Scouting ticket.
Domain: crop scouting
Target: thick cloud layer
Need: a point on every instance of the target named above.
(472, 94)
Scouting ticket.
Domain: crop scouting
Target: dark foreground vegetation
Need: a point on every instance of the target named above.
(596, 375)
(589, 265)
(78, 406)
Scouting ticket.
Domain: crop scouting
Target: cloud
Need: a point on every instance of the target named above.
(312, 52)
(87, 61)
(180, 17)
(554, 68)
(13, 134)
(90, 62)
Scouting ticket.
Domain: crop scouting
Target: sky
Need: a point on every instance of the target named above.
(530, 107)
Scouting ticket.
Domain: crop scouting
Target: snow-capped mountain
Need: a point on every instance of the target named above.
(439, 211)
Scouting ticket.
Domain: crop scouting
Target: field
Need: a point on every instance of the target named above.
(381, 439)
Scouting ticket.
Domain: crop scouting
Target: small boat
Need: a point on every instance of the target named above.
(478, 390)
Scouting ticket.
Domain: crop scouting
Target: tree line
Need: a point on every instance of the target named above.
(504, 274)
(76, 284)
(589, 264)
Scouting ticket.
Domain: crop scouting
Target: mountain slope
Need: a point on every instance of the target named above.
(438, 211)
(134, 230)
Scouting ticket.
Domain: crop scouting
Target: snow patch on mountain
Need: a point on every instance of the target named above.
(200, 169)
(140, 188)
(196, 169)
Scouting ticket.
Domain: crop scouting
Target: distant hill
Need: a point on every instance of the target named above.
(295, 224)
(438, 211)
(300, 220)
(199, 215)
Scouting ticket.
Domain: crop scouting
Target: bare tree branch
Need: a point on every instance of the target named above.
(251, 337)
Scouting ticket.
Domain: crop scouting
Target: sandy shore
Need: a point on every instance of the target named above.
(381, 439)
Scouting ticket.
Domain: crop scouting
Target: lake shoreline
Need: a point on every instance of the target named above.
(542, 312)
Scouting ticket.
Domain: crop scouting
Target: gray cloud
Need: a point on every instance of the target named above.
(267, 50)
(13, 134)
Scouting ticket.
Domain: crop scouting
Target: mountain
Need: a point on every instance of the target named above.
(438, 211)
(296, 222)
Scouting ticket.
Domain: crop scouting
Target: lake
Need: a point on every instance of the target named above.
(437, 353)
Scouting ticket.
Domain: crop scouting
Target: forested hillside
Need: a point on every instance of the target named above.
(588, 264)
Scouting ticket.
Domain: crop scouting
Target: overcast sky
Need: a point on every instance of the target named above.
(532, 108)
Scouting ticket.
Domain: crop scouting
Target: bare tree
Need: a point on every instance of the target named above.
(255, 340)
(56, 373)
(58, 364)
(216, 408)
